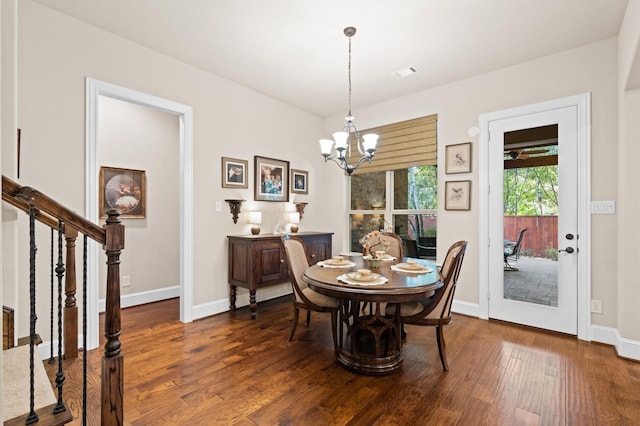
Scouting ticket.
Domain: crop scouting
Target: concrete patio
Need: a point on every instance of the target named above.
(535, 281)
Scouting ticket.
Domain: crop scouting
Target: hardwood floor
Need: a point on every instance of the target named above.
(227, 369)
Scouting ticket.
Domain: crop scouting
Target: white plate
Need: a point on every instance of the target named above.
(424, 270)
(413, 267)
(326, 264)
(336, 263)
(346, 279)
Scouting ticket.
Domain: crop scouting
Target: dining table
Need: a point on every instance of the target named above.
(369, 331)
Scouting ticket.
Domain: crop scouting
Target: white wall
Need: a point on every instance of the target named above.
(591, 68)
(132, 136)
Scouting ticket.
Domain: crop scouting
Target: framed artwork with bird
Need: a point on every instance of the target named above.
(457, 195)
(458, 158)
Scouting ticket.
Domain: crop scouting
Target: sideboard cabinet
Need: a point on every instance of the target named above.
(257, 261)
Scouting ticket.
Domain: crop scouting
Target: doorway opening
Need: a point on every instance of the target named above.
(95, 89)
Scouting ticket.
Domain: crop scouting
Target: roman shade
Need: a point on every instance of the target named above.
(401, 145)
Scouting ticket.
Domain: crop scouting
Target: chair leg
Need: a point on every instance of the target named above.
(296, 313)
(308, 318)
(442, 347)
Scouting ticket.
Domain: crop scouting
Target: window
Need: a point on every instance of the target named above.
(398, 189)
(411, 215)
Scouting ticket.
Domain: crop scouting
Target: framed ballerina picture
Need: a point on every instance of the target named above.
(271, 179)
(124, 190)
(234, 173)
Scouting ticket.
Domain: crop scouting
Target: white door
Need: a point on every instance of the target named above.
(564, 316)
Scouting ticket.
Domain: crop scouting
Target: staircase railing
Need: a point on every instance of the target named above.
(111, 238)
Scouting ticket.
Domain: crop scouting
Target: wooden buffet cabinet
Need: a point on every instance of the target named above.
(257, 261)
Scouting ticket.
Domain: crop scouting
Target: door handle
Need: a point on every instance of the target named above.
(568, 250)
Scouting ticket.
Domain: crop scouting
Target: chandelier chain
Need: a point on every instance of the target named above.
(349, 77)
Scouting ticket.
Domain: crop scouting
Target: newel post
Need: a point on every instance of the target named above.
(112, 361)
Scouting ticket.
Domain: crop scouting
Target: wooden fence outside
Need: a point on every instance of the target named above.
(541, 238)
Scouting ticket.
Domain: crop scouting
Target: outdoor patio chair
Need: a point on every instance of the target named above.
(513, 252)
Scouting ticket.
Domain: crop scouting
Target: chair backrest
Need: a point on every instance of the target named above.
(411, 247)
(449, 276)
(395, 245)
(516, 247)
(298, 262)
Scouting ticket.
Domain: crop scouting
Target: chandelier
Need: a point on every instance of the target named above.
(336, 149)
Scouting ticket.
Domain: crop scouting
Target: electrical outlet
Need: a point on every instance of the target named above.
(126, 281)
(596, 306)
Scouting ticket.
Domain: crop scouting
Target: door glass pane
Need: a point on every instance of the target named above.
(368, 191)
(531, 203)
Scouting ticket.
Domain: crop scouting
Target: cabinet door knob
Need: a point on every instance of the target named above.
(281, 260)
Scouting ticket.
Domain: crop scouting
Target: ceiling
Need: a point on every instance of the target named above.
(295, 50)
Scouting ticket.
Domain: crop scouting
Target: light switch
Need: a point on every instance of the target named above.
(603, 207)
(218, 206)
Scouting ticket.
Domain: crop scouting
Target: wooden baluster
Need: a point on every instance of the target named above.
(112, 361)
(70, 306)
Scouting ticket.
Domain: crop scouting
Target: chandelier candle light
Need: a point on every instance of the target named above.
(366, 145)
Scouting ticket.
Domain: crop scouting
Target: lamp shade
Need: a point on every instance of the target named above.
(294, 217)
(255, 218)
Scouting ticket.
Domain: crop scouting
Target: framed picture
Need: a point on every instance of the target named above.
(299, 181)
(458, 158)
(124, 190)
(457, 195)
(234, 173)
(271, 179)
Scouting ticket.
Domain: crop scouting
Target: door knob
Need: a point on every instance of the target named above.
(569, 236)
(568, 250)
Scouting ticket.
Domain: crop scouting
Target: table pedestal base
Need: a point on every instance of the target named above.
(371, 345)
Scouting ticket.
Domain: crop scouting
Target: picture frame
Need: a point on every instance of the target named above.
(234, 173)
(271, 178)
(457, 195)
(124, 190)
(458, 158)
(299, 181)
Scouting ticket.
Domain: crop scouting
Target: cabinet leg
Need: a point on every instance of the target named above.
(232, 297)
(252, 304)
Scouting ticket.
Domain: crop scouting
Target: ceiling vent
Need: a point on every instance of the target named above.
(405, 72)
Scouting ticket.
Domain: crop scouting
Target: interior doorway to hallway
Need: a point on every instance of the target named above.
(95, 89)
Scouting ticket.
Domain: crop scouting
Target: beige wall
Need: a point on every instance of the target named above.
(138, 137)
(591, 68)
(56, 53)
(628, 206)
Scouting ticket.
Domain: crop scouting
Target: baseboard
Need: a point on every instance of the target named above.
(222, 305)
(143, 297)
(466, 308)
(625, 348)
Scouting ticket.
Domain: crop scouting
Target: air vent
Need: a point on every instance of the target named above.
(405, 72)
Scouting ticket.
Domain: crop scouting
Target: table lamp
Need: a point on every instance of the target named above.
(255, 218)
(294, 219)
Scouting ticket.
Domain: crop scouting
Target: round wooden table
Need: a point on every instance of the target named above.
(372, 343)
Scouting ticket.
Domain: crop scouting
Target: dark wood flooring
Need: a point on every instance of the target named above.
(227, 369)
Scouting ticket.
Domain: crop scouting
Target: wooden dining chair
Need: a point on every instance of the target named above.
(395, 248)
(304, 297)
(436, 310)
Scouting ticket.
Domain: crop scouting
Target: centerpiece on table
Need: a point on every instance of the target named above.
(374, 245)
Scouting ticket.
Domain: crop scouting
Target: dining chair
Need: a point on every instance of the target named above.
(304, 297)
(435, 311)
(395, 248)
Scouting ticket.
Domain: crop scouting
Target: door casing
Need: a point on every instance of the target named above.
(582, 103)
